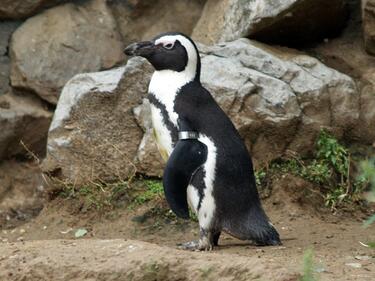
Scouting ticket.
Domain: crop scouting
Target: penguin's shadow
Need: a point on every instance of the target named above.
(249, 244)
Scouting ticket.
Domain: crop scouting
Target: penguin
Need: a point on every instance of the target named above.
(208, 165)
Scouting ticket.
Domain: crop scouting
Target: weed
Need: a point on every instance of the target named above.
(96, 195)
(330, 169)
(154, 189)
(205, 272)
(260, 175)
(368, 174)
(308, 267)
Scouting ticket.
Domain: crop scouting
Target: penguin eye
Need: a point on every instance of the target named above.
(168, 46)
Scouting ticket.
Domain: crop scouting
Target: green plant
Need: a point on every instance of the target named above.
(368, 173)
(154, 188)
(330, 151)
(308, 266)
(96, 195)
(330, 169)
(260, 175)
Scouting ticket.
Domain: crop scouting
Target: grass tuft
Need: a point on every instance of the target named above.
(330, 169)
(308, 266)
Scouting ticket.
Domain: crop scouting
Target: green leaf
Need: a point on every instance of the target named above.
(80, 232)
(369, 221)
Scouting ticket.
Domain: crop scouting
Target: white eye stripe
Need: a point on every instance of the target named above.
(189, 47)
(168, 45)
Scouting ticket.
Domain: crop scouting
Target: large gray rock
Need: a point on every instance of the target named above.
(277, 99)
(277, 21)
(368, 19)
(346, 54)
(17, 9)
(6, 29)
(50, 48)
(94, 134)
(22, 119)
(142, 20)
(21, 192)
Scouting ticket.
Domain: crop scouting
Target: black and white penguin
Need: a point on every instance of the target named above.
(208, 165)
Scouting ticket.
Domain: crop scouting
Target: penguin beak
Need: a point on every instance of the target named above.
(142, 49)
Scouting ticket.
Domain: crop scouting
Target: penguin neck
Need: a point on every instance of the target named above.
(165, 85)
(165, 82)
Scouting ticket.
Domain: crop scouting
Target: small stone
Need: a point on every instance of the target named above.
(354, 264)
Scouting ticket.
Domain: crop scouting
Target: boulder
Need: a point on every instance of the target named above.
(22, 119)
(6, 29)
(346, 54)
(368, 19)
(50, 48)
(142, 20)
(21, 192)
(148, 159)
(94, 134)
(278, 100)
(18, 9)
(288, 22)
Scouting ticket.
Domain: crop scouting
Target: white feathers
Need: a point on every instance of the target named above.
(165, 85)
(162, 134)
(193, 198)
(207, 210)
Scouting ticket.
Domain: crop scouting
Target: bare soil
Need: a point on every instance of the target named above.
(140, 243)
(45, 248)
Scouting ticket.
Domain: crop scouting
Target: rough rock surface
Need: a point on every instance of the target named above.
(17, 9)
(50, 48)
(94, 134)
(6, 29)
(142, 20)
(21, 189)
(22, 119)
(368, 18)
(120, 259)
(347, 54)
(148, 159)
(288, 22)
(278, 100)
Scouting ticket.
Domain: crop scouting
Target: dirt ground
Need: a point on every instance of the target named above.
(338, 242)
(140, 243)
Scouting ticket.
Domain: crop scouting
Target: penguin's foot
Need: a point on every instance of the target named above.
(206, 242)
(196, 245)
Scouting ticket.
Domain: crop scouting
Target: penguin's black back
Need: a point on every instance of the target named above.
(238, 207)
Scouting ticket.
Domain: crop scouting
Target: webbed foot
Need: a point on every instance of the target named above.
(197, 245)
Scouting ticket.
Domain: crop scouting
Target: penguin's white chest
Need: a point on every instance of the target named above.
(164, 86)
(162, 134)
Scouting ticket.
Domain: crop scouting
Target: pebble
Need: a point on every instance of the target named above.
(362, 258)
(354, 264)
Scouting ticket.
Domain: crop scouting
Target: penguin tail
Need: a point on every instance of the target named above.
(254, 226)
(261, 230)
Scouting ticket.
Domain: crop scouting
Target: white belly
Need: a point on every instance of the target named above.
(162, 134)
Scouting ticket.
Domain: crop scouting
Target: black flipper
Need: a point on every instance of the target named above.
(188, 155)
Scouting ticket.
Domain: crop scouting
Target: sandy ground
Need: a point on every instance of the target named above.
(46, 246)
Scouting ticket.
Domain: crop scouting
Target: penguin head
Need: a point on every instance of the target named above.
(169, 51)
